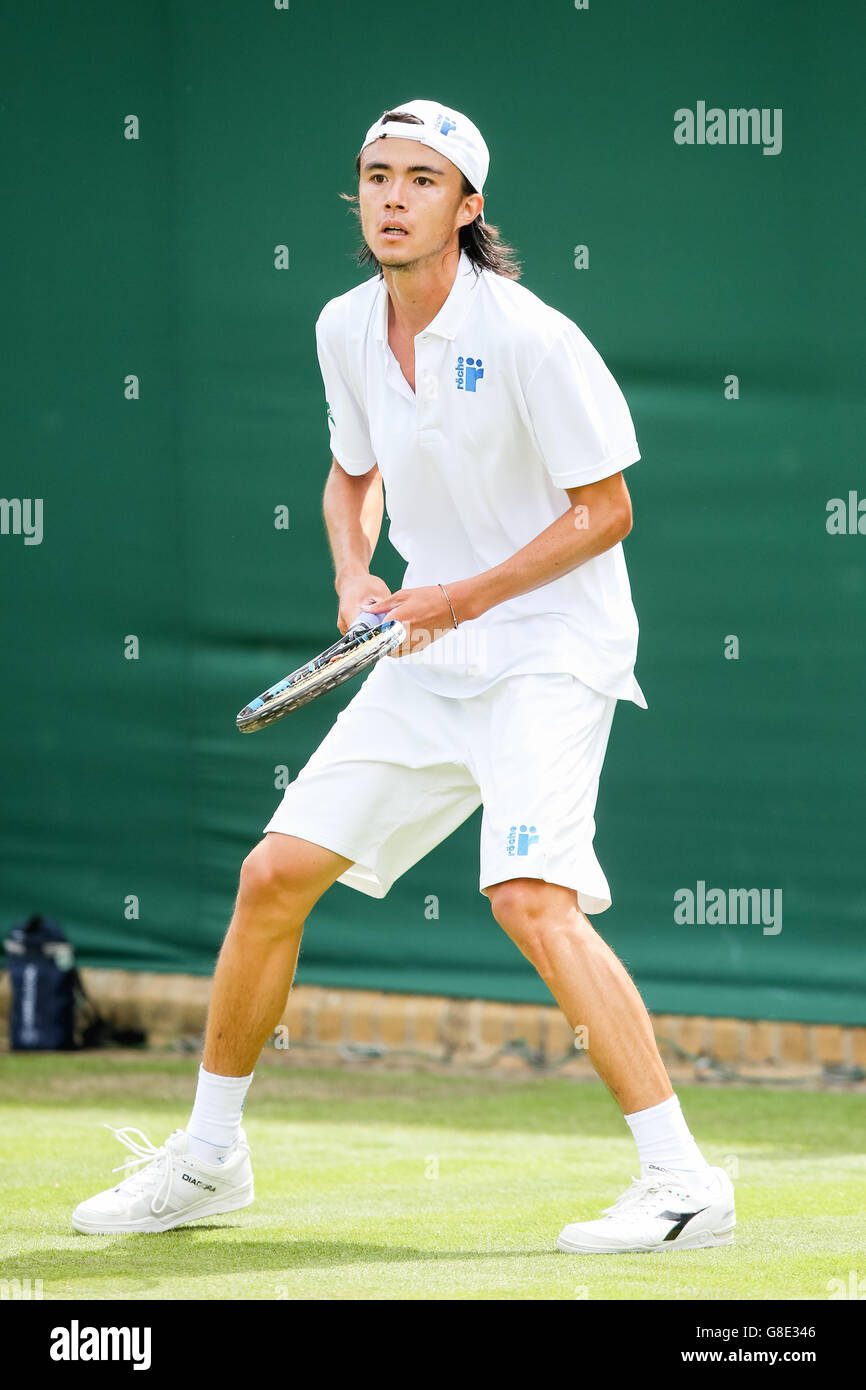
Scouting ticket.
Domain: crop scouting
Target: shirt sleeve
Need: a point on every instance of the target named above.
(348, 426)
(579, 415)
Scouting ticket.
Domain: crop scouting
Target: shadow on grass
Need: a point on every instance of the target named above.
(147, 1257)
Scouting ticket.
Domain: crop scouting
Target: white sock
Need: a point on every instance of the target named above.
(215, 1122)
(664, 1141)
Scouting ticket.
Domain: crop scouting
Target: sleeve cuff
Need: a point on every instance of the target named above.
(357, 467)
(614, 463)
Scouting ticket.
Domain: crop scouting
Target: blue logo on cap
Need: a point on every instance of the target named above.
(444, 124)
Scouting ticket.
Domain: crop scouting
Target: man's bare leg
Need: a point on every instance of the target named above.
(596, 992)
(210, 1170)
(281, 881)
(590, 985)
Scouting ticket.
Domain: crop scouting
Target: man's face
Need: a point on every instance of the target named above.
(406, 183)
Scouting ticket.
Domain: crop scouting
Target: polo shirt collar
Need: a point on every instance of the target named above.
(450, 317)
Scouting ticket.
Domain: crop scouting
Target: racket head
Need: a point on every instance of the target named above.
(361, 646)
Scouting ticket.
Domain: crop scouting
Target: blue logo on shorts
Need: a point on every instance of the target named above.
(520, 838)
(469, 370)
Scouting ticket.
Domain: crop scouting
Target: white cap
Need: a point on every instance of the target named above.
(447, 131)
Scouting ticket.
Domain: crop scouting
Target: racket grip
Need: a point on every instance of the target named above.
(368, 620)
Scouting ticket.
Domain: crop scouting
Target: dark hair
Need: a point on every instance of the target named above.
(480, 240)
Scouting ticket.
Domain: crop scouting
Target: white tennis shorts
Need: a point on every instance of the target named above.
(402, 767)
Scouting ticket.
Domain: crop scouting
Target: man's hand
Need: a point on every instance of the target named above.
(360, 593)
(425, 615)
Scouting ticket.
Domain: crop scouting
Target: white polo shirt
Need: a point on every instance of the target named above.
(512, 404)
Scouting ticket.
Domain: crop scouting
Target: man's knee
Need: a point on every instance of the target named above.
(532, 911)
(282, 871)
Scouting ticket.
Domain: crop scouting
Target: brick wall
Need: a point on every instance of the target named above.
(334, 1024)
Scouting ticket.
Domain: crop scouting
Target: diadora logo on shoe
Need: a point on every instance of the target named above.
(195, 1182)
(444, 123)
(469, 371)
(520, 838)
(680, 1219)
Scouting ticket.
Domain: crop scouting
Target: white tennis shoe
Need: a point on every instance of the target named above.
(173, 1187)
(662, 1211)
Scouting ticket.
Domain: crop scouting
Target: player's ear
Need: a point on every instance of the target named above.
(472, 207)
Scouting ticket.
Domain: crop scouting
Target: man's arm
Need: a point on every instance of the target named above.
(599, 516)
(353, 508)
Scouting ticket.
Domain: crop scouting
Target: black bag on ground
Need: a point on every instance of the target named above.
(51, 1010)
(41, 971)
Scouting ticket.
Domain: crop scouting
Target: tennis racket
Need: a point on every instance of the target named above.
(368, 639)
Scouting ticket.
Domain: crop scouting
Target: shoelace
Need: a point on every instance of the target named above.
(640, 1188)
(145, 1152)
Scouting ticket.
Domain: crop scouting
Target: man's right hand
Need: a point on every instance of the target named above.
(361, 593)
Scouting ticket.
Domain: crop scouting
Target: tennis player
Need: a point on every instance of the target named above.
(501, 439)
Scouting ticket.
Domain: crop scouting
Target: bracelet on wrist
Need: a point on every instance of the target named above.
(450, 604)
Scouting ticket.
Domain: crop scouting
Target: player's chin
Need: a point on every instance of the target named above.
(390, 252)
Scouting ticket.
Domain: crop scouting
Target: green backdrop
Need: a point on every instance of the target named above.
(155, 257)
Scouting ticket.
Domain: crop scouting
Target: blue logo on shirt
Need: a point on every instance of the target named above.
(520, 839)
(469, 370)
(444, 124)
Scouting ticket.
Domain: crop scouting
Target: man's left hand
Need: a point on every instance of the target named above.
(424, 613)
